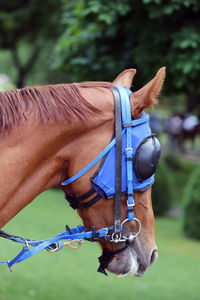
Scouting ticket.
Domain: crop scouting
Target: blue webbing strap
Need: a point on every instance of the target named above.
(88, 167)
(76, 233)
(127, 119)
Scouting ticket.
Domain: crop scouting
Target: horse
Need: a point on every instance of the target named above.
(49, 133)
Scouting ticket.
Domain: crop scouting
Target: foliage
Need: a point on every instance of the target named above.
(192, 206)
(98, 39)
(26, 28)
(104, 37)
(162, 196)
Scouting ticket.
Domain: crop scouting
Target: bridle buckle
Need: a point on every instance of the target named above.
(130, 205)
(117, 237)
(129, 149)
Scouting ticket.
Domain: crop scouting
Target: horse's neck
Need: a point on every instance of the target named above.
(35, 158)
(32, 160)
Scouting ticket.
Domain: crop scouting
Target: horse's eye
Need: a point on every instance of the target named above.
(146, 158)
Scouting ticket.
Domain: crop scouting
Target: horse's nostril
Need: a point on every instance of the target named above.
(154, 256)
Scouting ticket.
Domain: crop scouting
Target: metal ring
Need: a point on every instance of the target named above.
(139, 229)
(54, 249)
(124, 221)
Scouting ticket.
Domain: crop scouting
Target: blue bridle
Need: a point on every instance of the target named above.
(134, 134)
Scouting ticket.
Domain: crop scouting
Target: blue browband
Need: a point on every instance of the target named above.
(136, 135)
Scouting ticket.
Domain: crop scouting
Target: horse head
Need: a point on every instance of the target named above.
(50, 133)
(131, 257)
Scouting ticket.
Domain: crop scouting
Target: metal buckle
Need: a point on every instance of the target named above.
(70, 243)
(117, 237)
(130, 204)
(130, 124)
(128, 149)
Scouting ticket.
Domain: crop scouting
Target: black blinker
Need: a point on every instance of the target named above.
(147, 157)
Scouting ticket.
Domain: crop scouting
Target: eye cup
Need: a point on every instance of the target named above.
(147, 157)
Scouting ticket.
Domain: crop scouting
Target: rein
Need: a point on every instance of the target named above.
(123, 125)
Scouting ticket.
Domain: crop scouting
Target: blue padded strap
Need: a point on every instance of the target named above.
(127, 119)
(125, 104)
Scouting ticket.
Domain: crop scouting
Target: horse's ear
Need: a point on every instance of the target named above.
(147, 95)
(125, 78)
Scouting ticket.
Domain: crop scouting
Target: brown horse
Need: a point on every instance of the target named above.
(51, 132)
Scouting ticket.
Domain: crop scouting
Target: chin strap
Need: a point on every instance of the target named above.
(105, 258)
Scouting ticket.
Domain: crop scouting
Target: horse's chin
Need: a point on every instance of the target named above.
(126, 263)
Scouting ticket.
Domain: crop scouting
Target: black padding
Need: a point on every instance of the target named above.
(78, 205)
(146, 158)
(84, 196)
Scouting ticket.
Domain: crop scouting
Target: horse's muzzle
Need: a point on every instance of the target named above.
(132, 261)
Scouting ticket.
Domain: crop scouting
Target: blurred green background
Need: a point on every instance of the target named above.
(71, 274)
(57, 41)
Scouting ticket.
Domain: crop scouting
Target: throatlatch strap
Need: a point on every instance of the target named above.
(75, 201)
(84, 196)
(118, 160)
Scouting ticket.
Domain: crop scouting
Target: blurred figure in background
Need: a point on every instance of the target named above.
(190, 128)
(155, 123)
(181, 128)
(173, 127)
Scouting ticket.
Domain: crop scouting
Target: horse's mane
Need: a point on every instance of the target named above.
(52, 102)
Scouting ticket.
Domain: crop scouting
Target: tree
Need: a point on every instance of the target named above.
(25, 29)
(104, 37)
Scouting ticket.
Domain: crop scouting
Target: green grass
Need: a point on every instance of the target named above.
(71, 274)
